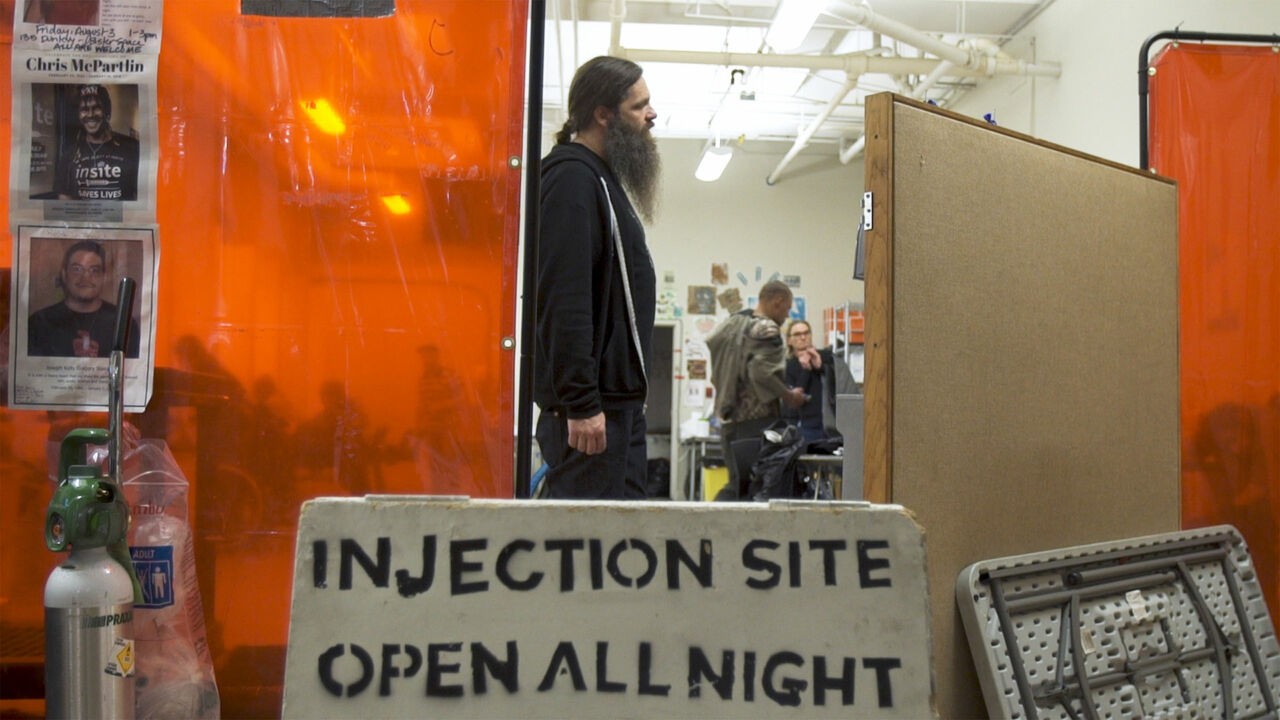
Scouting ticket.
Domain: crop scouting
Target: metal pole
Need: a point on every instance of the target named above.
(1144, 62)
(528, 301)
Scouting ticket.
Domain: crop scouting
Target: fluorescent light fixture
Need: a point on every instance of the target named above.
(396, 204)
(792, 23)
(714, 160)
(324, 116)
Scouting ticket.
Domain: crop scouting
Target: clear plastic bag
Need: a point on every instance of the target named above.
(175, 670)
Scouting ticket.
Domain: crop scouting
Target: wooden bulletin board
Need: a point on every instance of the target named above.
(1022, 350)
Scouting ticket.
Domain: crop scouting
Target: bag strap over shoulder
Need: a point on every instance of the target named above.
(626, 279)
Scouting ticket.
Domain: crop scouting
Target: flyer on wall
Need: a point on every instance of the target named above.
(63, 316)
(83, 146)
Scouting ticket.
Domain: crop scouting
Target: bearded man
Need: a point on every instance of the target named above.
(596, 287)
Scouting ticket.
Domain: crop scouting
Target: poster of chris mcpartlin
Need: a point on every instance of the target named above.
(84, 146)
(64, 315)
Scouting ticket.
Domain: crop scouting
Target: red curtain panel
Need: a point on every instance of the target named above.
(1215, 128)
(333, 299)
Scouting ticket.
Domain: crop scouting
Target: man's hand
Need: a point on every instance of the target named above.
(794, 397)
(587, 435)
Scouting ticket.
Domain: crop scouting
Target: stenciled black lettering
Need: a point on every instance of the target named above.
(409, 586)
(749, 676)
(458, 566)
(330, 682)
(389, 669)
(319, 564)
(828, 548)
(884, 684)
(595, 558)
(646, 686)
(566, 655)
(677, 556)
(793, 556)
(603, 683)
(700, 668)
(650, 560)
(379, 572)
(751, 561)
(868, 564)
(506, 671)
(504, 573)
(822, 682)
(566, 549)
(437, 669)
(788, 695)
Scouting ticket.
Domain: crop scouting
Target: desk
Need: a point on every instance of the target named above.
(696, 450)
(822, 467)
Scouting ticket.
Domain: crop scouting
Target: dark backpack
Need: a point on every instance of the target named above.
(774, 473)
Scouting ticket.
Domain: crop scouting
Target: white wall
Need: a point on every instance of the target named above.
(804, 225)
(1093, 106)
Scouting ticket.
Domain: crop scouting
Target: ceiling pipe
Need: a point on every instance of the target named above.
(617, 13)
(859, 63)
(853, 150)
(802, 141)
(864, 17)
(955, 61)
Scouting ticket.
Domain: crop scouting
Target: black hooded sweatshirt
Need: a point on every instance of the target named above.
(586, 359)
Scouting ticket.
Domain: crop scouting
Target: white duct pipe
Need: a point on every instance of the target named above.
(617, 13)
(956, 61)
(853, 63)
(807, 134)
(931, 79)
(853, 150)
(863, 16)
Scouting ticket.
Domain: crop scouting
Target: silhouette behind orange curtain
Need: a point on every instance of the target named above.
(305, 320)
(1215, 128)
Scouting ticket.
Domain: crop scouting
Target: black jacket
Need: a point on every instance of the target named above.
(585, 358)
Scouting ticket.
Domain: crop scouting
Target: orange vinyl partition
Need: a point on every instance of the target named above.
(312, 338)
(1215, 128)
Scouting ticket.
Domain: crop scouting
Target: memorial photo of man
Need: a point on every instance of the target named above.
(83, 323)
(96, 162)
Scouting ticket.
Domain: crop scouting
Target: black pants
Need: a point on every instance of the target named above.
(736, 488)
(618, 473)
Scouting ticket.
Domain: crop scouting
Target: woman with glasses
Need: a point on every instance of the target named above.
(806, 365)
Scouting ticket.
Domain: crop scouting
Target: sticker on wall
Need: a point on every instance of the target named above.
(702, 300)
(797, 308)
(695, 393)
(719, 273)
(696, 369)
(791, 281)
(667, 309)
(730, 300)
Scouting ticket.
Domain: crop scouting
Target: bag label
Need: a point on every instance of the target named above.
(154, 566)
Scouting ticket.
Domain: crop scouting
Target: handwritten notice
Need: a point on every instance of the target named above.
(455, 608)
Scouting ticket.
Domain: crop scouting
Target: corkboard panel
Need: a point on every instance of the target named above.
(1026, 353)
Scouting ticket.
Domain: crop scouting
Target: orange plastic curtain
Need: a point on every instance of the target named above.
(1215, 128)
(332, 307)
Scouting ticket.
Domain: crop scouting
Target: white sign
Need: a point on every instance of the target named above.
(456, 608)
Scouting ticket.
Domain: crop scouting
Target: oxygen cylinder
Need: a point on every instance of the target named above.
(89, 656)
(88, 599)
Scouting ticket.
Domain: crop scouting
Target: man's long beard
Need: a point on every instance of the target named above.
(633, 155)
